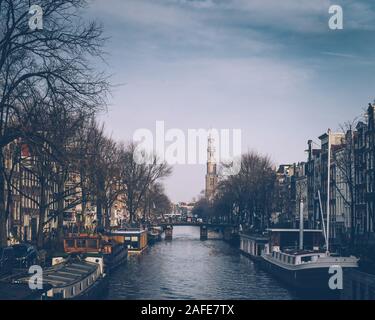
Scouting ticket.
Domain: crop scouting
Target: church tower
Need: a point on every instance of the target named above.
(211, 176)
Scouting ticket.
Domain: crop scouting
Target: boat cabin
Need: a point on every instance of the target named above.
(297, 257)
(134, 239)
(282, 239)
(253, 245)
(82, 243)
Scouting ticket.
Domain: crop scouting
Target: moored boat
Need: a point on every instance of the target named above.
(134, 239)
(252, 245)
(168, 232)
(306, 270)
(309, 270)
(154, 234)
(114, 254)
(73, 279)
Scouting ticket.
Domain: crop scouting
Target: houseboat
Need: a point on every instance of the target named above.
(154, 234)
(308, 268)
(113, 253)
(304, 267)
(134, 239)
(305, 270)
(73, 279)
(168, 232)
(253, 245)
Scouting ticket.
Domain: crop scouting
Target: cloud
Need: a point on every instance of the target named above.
(260, 65)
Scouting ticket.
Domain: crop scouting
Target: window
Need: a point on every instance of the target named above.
(81, 243)
(306, 259)
(69, 243)
(92, 243)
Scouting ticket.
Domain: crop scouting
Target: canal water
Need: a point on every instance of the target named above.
(187, 268)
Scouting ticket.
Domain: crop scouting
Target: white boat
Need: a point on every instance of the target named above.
(306, 270)
(73, 279)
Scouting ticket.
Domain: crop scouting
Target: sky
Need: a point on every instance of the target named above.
(272, 68)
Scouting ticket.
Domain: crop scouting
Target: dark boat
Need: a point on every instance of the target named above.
(113, 253)
(305, 270)
(20, 291)
(168, 232)
(154, 235)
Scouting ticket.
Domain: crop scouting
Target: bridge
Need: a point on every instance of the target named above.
(217, 231)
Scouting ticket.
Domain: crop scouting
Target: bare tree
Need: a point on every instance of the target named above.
(344, 161)
(246, 197)
(52, 61)
(156, 202)
(138, 177)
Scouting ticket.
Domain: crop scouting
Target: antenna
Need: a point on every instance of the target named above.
(321, 213)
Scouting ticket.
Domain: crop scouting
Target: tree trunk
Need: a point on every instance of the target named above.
(42, 216)
(60, 212)
(107, 216)
(42, 213)
(99, 213)
(3, 214)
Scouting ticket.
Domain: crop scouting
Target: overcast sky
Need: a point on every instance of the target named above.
(271, 68)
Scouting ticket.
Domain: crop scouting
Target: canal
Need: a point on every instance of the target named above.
(187, 268)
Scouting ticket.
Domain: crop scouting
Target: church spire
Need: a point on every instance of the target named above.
(211, 176)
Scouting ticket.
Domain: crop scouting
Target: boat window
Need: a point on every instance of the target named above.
(92, 243)
(294, 260)
(81, 243)
(306, 259)
(80, 286)
(72, 291)
(127, 238)
(135, 238)
(69, 243)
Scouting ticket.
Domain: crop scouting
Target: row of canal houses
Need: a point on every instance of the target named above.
(302, 237)
(23, 199)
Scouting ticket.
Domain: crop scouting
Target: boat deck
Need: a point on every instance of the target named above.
(65, 274)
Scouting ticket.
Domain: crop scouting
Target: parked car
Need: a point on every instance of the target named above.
(25, 255)
(7, 260)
